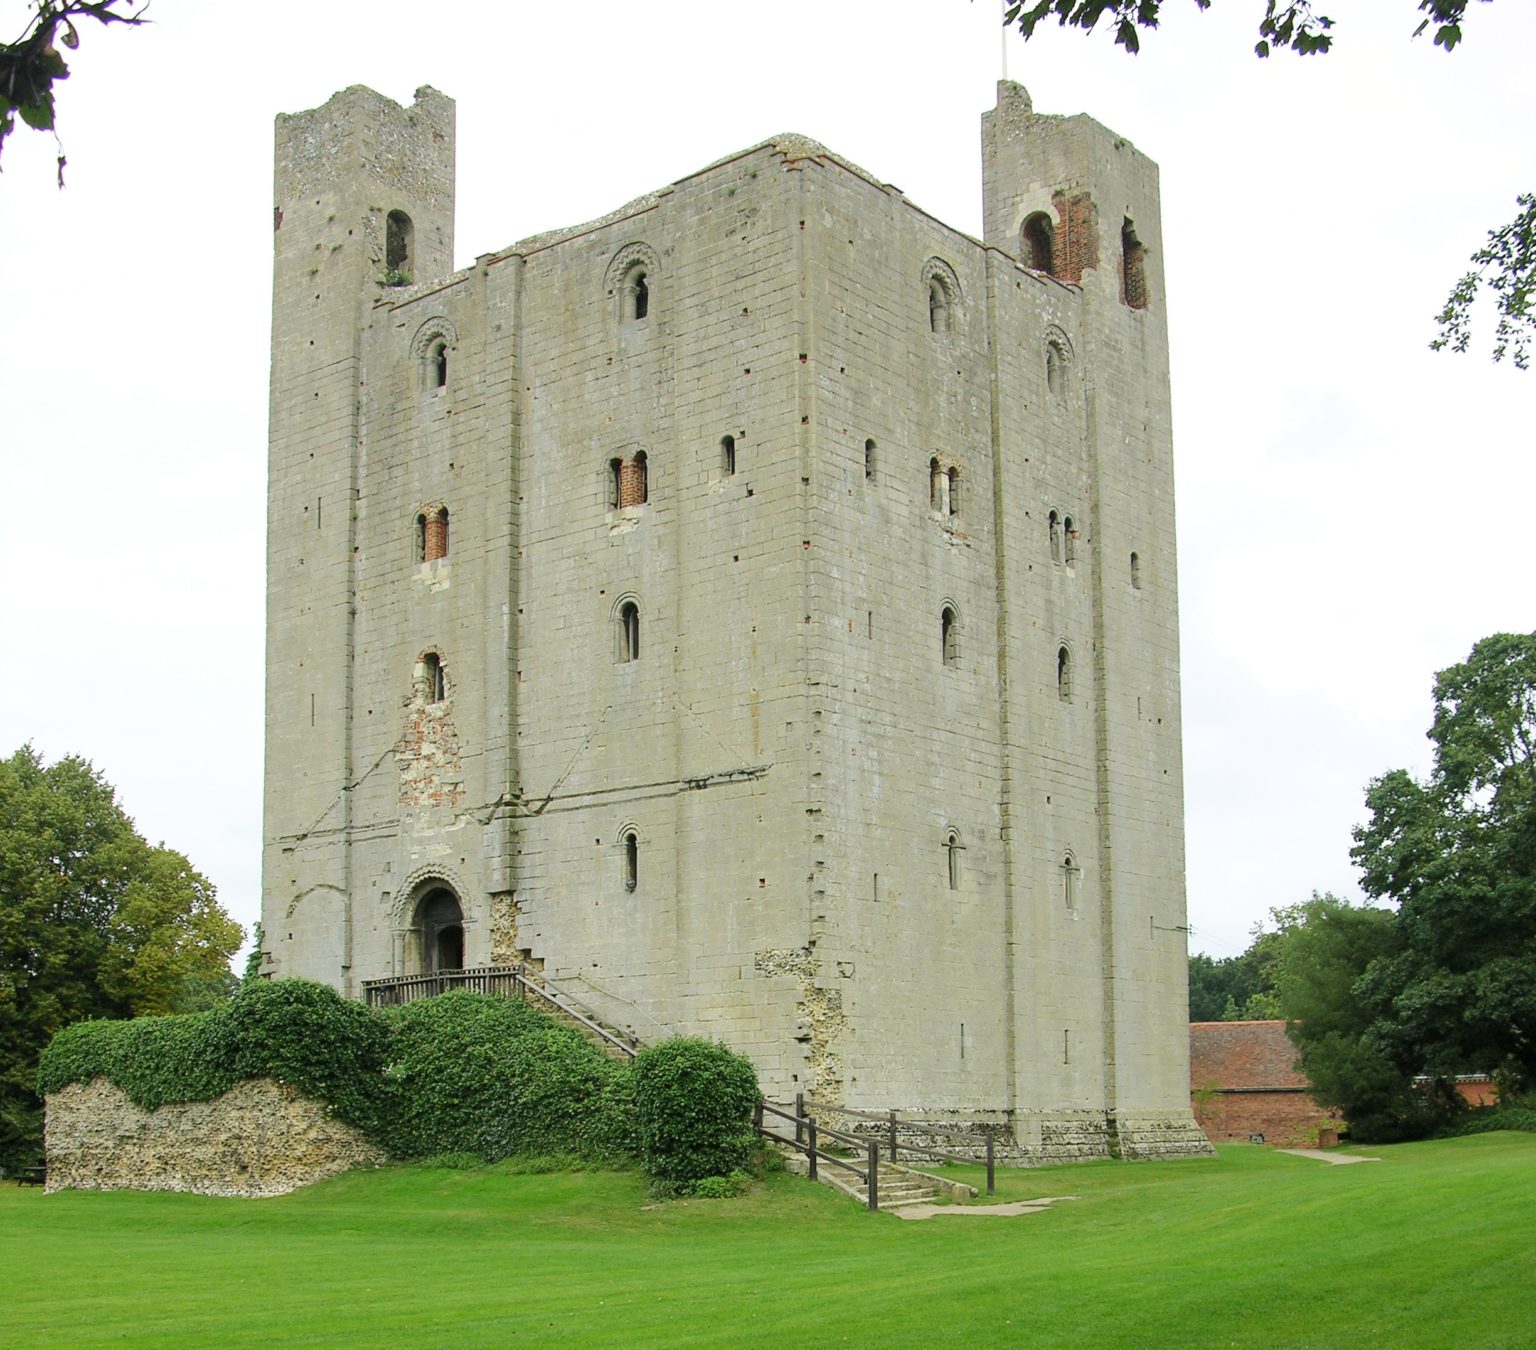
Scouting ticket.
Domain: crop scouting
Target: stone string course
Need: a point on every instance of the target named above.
(260, 1138)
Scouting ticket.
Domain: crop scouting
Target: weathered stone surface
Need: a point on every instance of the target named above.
(260, 1138)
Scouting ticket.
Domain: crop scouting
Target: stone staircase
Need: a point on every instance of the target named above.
(896, 1187)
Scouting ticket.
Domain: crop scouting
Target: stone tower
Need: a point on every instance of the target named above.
(756, 608)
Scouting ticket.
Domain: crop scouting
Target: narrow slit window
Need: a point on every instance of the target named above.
(954, 492)
(421, 538)
(1135, 571)
(952, 860)
(1069, 541)
(949, 637)
(434, 683)
(642, 296)
(1064, 675)
(641, 489)
(440, 363)
(631, 860)
(615, 483)
(1069, 876)
(1055, 527)
(938, 307)
(629, 631)
(869, 461)
(727, 456)
(1133, 261)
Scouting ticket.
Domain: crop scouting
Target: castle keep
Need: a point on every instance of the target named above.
(755, 608)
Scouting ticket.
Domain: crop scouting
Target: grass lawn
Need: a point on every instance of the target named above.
(1431, 1246)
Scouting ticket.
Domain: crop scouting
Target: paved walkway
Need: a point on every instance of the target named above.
(1008, 1211)
(1322, 1156)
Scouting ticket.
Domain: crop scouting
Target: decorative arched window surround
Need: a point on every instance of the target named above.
(628, 837)
(953, 848)
(941, 286)
(431, 533)
(1071, 877)
(626, 628)
(432, 346)
(1058, 363)
(631, 281)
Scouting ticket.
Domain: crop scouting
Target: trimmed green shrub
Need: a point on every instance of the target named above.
(154, 1060)
(1497, 1118)
(311, 1038)
(295, 1031)
(470, 1073)
(694, 1101)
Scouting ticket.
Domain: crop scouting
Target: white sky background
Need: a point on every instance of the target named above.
(1354, 511)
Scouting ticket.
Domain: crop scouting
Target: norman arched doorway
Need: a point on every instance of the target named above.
(439, 929)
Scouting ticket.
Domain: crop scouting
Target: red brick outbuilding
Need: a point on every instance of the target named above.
(1243, 1081)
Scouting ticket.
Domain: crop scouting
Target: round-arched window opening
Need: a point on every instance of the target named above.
(1039, 239)
(440, 923)
(631, 860)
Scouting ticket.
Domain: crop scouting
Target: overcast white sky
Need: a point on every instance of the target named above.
(1354, 511)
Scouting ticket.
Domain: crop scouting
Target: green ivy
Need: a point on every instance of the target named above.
(695, 1101)
(471, 1073)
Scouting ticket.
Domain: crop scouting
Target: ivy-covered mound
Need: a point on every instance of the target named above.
(458, 1074)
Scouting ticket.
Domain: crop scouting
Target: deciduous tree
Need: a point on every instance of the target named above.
(94, 922)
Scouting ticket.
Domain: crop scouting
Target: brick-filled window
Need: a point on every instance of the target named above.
(1038, 238)
(435, 543)
(627, 481)
(629, 632)
(1064, 674)
(1133, 267)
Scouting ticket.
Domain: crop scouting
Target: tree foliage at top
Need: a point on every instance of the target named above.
(1505, 266)
(94, 922)
(31, 65)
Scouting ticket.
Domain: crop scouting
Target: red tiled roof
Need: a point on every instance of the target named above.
(1242, 1055)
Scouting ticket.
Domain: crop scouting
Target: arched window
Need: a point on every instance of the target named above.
(640, 489)
(1055, 525)
(727, 456)
(1070, 873)
(952, 847)
(399, 236)
(954, 492)
(949, 635)
(1133, 266)
(421, 538)
(869, 461)
(439, 362)
(1064, 675)
(938, 306)
(435, 540)
(1135, 571)
(637, 294)
(938, 487)
(631, 860)
(1056, 370)
(1068, 541)
(431, 679)
(629, 631)
(615, 483)
(1039, 240)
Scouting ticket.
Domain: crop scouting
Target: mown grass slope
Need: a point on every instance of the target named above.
(1429, 1247)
